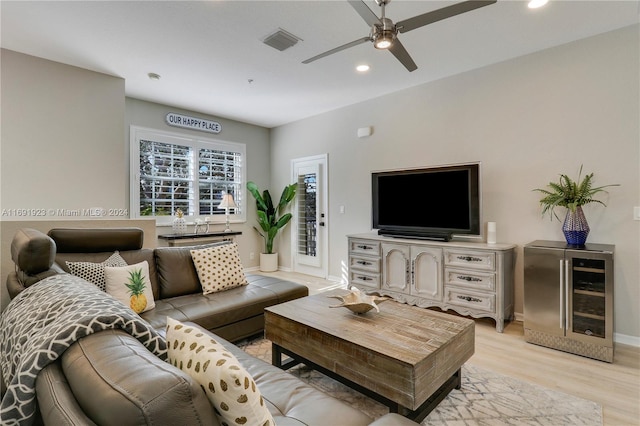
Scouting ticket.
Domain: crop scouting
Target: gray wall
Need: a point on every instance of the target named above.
(54, 115)
(527, 120)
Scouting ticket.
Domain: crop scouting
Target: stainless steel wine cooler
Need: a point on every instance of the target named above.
(568, 297)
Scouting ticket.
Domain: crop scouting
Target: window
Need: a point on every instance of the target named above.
(171, 171)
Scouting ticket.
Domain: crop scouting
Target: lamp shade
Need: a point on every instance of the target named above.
(227, 202)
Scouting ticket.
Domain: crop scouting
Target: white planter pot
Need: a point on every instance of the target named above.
(268, 262)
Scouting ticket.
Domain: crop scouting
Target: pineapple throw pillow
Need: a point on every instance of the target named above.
(131, 286)
(230, 388)
(219, 268)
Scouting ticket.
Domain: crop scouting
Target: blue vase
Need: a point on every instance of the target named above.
(575, 227)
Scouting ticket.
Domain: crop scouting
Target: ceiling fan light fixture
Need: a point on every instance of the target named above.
(384, 39)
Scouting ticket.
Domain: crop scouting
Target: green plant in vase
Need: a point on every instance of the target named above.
(271, 218)
(572, 195)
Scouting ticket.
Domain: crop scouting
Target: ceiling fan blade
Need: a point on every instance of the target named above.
(363, 10)
(402, 55)
(337, 49)
(440, 14)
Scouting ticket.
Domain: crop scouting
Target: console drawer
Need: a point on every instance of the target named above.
(470, 279)
(470, 259)
(367, 279)
(471, 300)
(364, 263)
(371, 248)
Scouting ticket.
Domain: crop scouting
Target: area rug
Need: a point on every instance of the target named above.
(486, 398)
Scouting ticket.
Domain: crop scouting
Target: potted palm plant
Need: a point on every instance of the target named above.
(271, 220)
(572, 195)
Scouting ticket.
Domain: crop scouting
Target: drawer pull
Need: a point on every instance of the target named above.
(470, 258)
(470, 299)
(363, 247)
(469, 279)
(363, 262)
(363, 278)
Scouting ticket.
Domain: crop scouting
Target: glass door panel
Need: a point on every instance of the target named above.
(307, 212)
(587, 289)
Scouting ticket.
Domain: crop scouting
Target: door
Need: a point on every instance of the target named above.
(427, 272)
(589, 295)
(310, 236)
(396, 267)
(544, 296)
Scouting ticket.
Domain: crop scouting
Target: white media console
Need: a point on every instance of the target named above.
(474, 279)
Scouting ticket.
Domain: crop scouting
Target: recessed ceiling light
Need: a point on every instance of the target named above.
(363, 68)
(153, 76)
(534, 4)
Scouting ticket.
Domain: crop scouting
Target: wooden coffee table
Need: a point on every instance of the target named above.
(406, 357)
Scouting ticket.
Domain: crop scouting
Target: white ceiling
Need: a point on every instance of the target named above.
(211, 57)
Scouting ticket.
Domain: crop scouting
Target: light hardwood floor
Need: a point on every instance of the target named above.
(615, 386)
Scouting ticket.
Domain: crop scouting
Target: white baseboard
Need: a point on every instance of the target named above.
(626, 340)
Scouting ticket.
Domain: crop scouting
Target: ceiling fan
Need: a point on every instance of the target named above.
(384, 33)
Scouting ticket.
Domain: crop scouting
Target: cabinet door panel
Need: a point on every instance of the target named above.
(396, 267)
(543, 310)
(427, 272)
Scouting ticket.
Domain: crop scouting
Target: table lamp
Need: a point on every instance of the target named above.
(226, 204)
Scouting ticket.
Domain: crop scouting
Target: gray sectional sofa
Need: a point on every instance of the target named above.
(233, 314)
(110, 377)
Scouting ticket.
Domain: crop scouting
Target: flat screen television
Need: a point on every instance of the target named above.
(428, 203)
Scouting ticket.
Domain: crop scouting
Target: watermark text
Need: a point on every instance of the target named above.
(59, 212)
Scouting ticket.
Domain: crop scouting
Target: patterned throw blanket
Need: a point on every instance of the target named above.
(43, 321)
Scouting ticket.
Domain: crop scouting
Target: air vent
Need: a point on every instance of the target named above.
(281, 40)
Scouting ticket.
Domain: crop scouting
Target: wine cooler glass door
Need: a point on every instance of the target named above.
(589, 288)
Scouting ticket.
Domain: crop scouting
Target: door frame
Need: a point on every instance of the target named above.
(323, 231)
